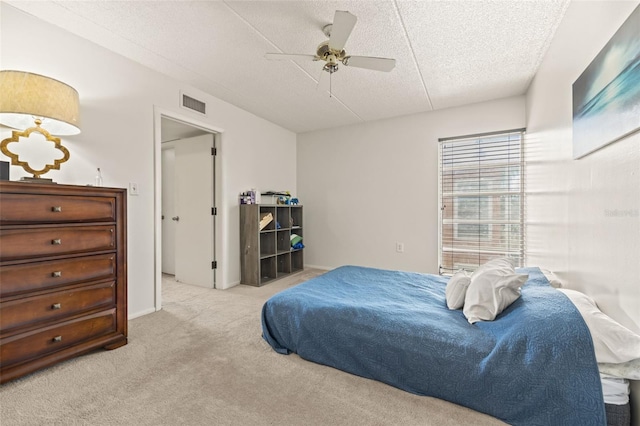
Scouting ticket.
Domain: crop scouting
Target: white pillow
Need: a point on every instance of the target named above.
(501, 262)
(552, 278)
(494, 286)
(457, 289)
(612, 342)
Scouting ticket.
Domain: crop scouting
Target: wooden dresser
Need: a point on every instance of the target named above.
(63, 273)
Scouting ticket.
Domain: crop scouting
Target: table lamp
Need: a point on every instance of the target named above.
(27, 99)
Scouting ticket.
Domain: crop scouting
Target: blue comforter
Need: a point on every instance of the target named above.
(533, 365)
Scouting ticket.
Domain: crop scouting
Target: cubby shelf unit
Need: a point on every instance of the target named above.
(266, 254)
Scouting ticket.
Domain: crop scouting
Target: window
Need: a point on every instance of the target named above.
(481, 199)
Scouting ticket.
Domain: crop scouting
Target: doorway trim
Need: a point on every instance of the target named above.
(158, 114)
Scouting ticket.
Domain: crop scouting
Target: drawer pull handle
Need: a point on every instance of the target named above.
(56, 208)
(56, 274)
(56, 306)
(57, 339)
(56, 242)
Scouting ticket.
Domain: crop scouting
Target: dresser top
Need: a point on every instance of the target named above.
(20, 187)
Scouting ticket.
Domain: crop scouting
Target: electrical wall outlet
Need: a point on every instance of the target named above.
(133, 188)
(400, 247)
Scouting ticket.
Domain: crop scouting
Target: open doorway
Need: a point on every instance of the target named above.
(185, 200)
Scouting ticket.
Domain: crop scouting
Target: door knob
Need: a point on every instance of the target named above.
(176, 218)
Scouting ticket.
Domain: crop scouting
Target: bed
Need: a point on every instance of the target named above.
(533, 365)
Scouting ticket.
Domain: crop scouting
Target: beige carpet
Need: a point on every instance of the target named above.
(202, 361)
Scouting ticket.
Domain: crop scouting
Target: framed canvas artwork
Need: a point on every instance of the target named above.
(606, 96)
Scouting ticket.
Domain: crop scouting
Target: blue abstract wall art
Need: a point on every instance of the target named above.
(606, 96)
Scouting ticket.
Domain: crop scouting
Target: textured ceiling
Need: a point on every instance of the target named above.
(448, 53)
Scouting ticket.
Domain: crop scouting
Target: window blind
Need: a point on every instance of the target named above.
(481, 199)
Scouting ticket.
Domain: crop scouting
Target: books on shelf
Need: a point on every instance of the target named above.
(265, 220)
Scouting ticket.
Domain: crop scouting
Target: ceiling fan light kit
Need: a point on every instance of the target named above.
(332, 51)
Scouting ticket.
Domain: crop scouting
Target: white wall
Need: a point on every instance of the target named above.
(117, 98)
(584, 215)
(367, 186)
(573, 225)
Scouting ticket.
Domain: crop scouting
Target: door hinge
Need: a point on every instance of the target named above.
(214, 264)
(214, 151)
(214, 211)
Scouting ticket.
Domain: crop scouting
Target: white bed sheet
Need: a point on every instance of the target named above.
(615, 390)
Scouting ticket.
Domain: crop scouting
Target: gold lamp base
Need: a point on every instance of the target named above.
(15, 160)
(36, 179)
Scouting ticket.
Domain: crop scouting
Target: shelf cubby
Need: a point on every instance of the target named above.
(268, 269)
(297, 261)
(267, 243)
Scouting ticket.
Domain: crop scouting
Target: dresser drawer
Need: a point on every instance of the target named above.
(15, 279)
(39, 242)
(33, 344)
(28, 208)
(53, 306)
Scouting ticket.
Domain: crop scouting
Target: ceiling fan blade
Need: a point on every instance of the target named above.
(370, 62)
(283, 56)
(343, 23)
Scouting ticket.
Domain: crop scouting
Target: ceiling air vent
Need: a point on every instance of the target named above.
(194, 104)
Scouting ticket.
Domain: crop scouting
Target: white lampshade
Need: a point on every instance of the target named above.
(26, 96)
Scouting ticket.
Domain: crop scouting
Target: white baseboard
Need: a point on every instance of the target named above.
(324, 268)
(228, 286)
(142, 313)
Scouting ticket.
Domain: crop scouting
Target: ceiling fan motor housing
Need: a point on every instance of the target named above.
(328, 54)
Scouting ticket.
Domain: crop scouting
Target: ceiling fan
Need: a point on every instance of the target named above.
(332, 51)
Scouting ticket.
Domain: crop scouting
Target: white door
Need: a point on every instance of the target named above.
(194, 184)
(168, 211)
